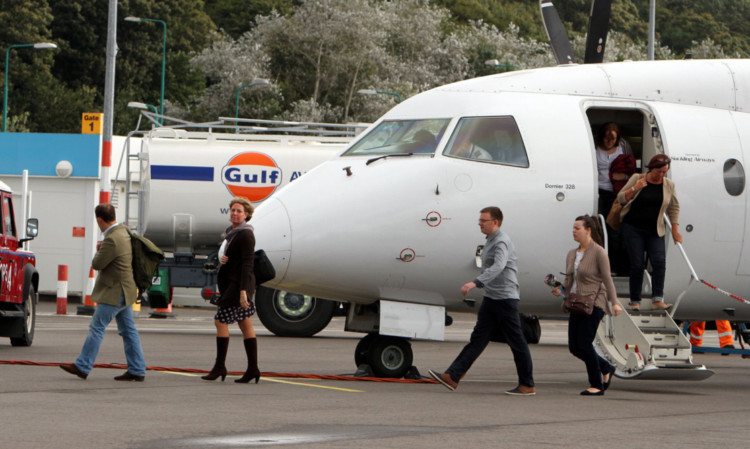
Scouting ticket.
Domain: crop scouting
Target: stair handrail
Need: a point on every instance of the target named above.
(603, 225)
(693, 275)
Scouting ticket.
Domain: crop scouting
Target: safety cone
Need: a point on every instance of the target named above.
(165, 312)
(88, 306)
(62, 289)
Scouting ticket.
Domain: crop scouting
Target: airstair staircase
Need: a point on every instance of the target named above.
(648, 344)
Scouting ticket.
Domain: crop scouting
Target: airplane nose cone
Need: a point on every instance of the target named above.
(274, 235)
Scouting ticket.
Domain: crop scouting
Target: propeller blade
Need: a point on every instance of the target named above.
(558, 38)
(598, 28)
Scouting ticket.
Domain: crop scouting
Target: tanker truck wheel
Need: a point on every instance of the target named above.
(28, 322)
(288, 314)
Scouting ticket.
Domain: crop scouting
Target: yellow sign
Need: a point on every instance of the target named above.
(91, 123)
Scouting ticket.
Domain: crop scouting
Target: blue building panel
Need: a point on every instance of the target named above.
(40, 153)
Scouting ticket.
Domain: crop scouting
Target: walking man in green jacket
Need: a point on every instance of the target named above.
(115, 292)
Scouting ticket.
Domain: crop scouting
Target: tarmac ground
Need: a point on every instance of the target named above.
(44, 407)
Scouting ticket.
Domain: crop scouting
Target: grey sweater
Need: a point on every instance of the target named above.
(499, 276)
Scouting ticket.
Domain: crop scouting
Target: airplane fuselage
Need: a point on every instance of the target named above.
(405, 228)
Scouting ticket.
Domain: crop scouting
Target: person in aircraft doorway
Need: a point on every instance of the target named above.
(615, 164)
(723, 327)
(645, 199)
(499, 309)
(609, 146)
(587, 272)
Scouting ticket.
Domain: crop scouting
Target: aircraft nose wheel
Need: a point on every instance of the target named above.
(387, 356)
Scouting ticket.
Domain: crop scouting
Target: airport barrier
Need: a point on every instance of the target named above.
(62, 289)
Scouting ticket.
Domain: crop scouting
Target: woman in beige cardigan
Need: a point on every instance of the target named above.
(587, 272)
(645, 199)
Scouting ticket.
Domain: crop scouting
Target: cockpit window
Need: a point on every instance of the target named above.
(401, 136)
(489, 139)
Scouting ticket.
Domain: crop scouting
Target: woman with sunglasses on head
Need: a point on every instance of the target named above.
(645, 199)
(236, 283)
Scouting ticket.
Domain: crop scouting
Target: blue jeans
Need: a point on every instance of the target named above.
(502, 313)
(637, 242)
(581, 334)
(125, 327)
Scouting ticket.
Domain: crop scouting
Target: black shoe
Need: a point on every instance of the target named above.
(727, 347)
(72, 368)
(592, 393)
(216, 373)
(247, 377)
(128, 376)
(605, 385)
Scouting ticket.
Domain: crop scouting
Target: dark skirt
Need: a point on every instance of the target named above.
(234, 314)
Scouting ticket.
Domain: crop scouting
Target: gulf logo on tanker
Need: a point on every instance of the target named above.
(252, 175)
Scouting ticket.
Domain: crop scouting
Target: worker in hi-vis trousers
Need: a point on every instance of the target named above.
(722, 327)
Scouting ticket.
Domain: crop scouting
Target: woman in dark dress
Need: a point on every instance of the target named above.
(236, 284)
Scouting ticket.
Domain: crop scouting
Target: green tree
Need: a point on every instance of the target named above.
(235, 17)
(26, 22)
(140, 58)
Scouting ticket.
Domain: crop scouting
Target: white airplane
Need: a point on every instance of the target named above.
(390, 225)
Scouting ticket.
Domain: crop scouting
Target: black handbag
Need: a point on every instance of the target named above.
(262, 268)
(530, 326)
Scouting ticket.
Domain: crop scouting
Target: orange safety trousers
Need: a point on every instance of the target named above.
(723, 327)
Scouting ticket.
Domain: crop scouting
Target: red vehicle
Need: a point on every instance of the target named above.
(19, 279)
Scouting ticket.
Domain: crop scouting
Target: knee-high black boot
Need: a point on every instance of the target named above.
(219, 369)
(251, 349)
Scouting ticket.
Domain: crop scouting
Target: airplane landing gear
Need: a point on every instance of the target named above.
(387, 356)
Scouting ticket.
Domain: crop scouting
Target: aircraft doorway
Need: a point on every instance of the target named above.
(624, 140)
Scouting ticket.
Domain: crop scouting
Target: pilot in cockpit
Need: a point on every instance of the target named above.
(423, 142)
(464, 145)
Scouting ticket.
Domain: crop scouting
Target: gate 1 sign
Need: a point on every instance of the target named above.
(91, 123)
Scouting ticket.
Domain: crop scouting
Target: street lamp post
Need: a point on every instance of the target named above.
(255, 82)
(163, 57)
(381, 92)
(37, 46)
(144, 106)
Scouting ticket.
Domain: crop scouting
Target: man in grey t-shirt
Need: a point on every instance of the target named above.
(499, 309)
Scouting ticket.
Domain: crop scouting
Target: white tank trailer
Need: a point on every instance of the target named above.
(180, 200)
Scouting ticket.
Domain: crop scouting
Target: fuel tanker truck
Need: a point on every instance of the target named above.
(181, 203)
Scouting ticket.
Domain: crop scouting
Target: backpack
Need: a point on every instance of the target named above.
(146, 259)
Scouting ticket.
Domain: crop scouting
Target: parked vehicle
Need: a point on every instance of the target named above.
(19, 279)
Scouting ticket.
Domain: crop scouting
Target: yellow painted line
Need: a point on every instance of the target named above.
(182, 374)
(269, 379)
(304, 384)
